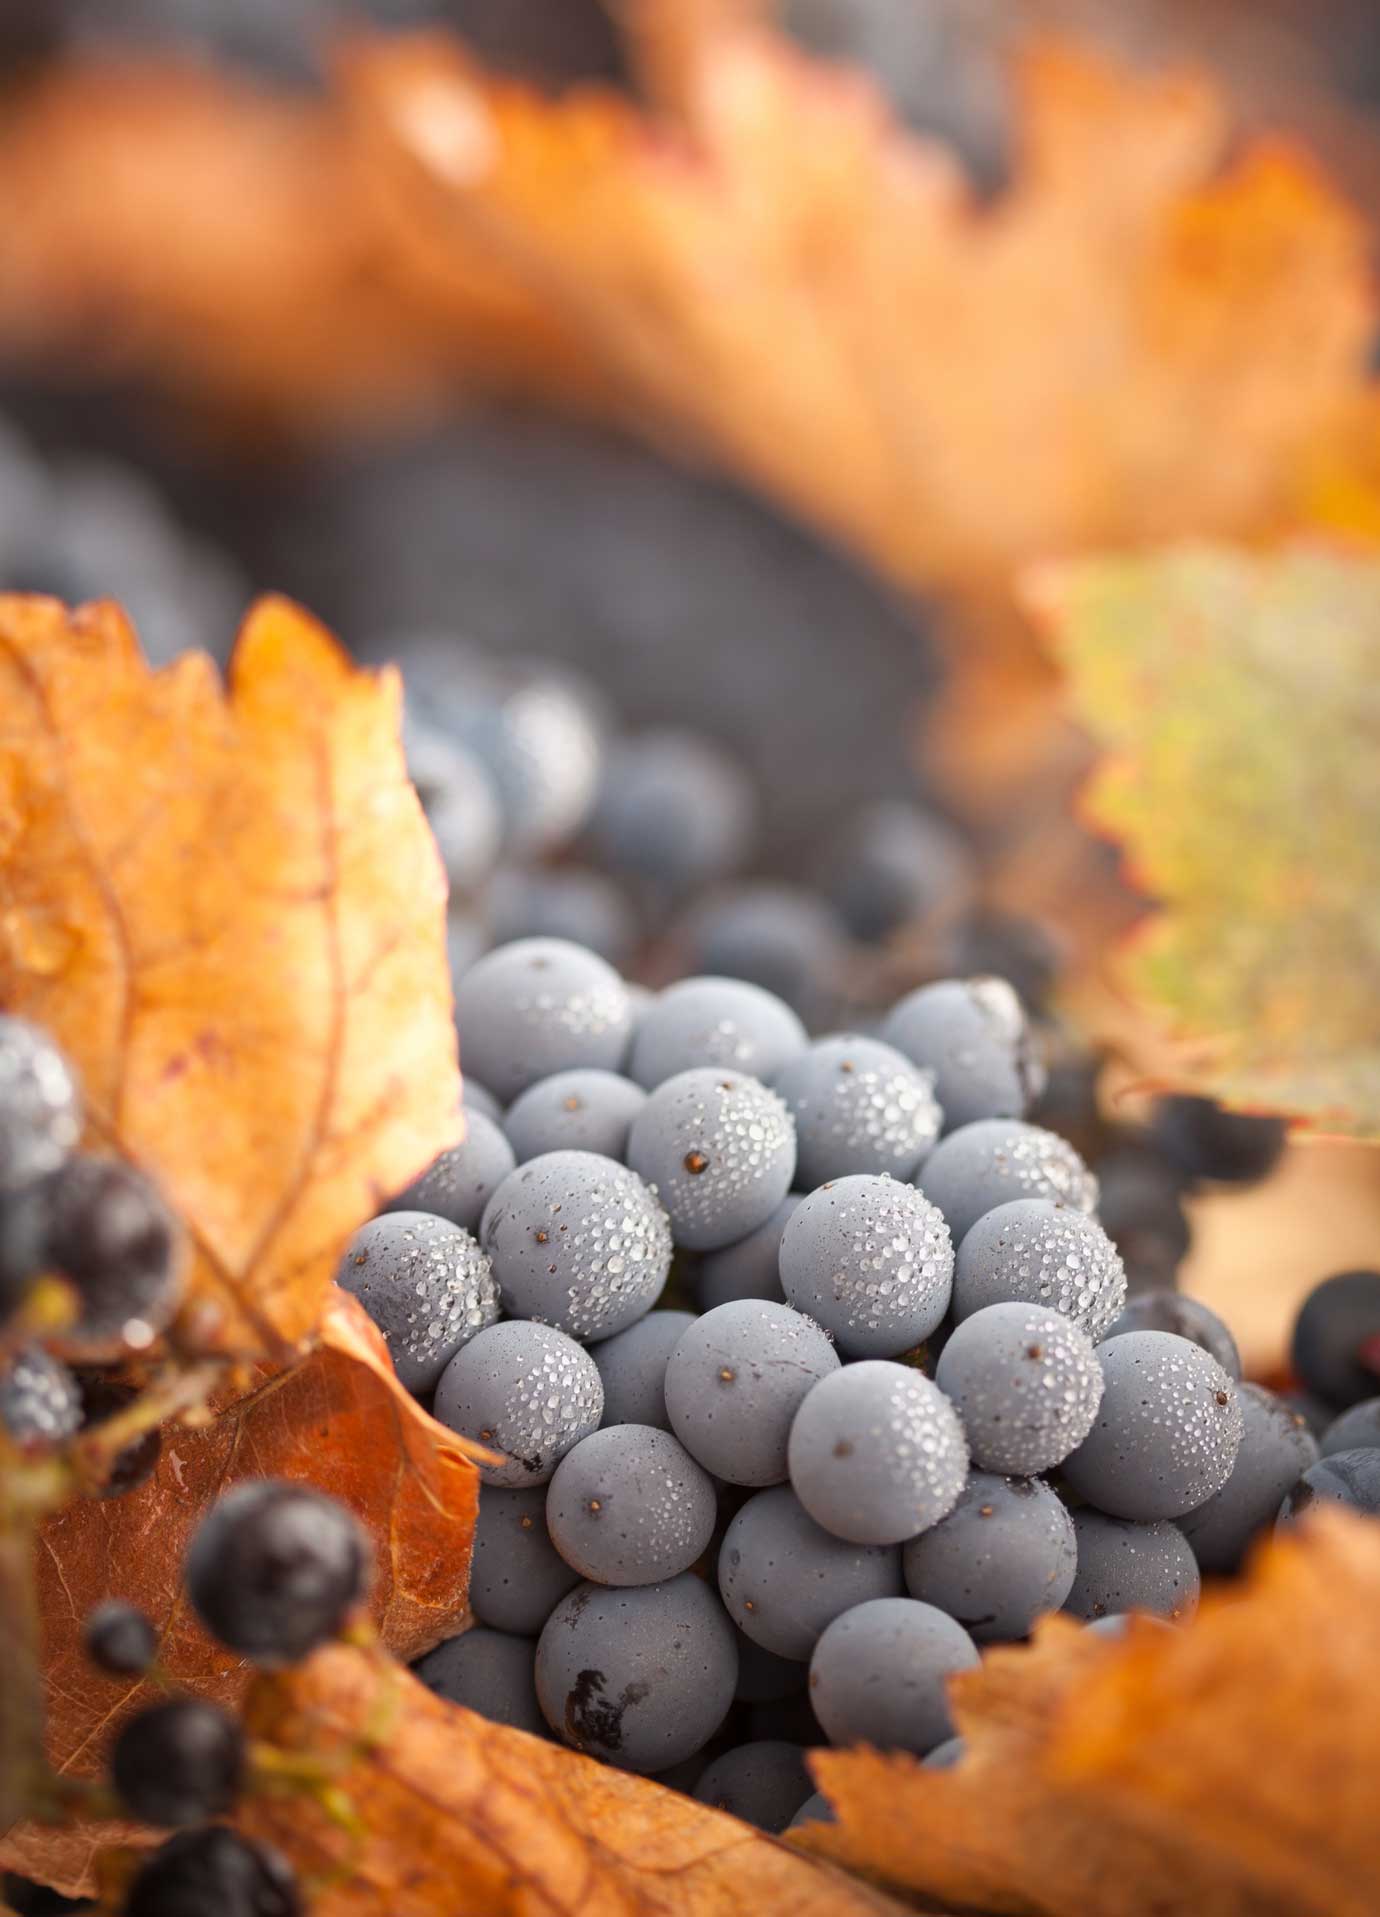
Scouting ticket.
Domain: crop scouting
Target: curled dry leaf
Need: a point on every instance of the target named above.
(339, 1420)
(226, 904)
(462, 1814)
(1230, 1767)
(1236, 699)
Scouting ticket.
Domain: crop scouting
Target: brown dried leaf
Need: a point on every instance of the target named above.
(339, 1420)
(1230, 1767)
(463, 1815)
(227, 906)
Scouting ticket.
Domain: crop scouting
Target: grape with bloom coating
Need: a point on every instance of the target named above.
(632, 1365)
(540, 1006)
(1041, 1253)
(764, 1783)
(579, 1111)
(490, 1672)
(973, 1036)
(608, 1685)
(735, 1381)
(749, 1269)
(1165, 1310)
(426, 1284)
(1167, 1431)
(877, 1453)
(460, 1183)
(858, 1106)
(714, 1021)
(870, 1259)
(1355, 1430)
(523, 1389)
(40, 1107)
(1277, 1448)
(718, 1149)
(579, 1242)
(997, 1160)
(1131, 1567)
(1005, 1555)
(1350, 1478)
(628, 1505)
(879, 1674)
(784, 1578)
(1026, 1383)
(517, 1576)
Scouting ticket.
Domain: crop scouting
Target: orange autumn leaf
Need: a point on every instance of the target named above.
(462, 1817)
(815, 298)
(236, 257)
(225, 904)
(1230, 1767)
(341, 1421)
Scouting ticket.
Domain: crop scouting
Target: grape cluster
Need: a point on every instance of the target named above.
(812, 1371)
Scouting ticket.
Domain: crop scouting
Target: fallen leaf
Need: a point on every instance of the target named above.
(1236, 701)
(226, 905)
(460, 1814)
(339, 1420)
(1229, 1767)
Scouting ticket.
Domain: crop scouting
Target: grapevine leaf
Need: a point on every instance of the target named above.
(1236, 700)
(227, 907)
(1172, 1770)
(338, 1420)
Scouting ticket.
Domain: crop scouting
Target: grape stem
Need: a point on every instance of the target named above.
(92, 1455)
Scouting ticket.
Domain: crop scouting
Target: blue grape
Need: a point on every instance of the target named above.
(672, 811)
(858, 1106)
(565, 902)
(877, 1453)
(784, 1578)
(632, 1365)
(1166, 1310)
(879, 1674)
(815, 1810)
(460, 1183)
(628, 1505)
(517, 1576)
(1004, 1555)
(1131, 1567)
(427, 1286)
(1038, 1252)
(577, 1241)
(579, 1111)
(40, 1107)
(40, 1403)
(763, 1783)
(488, 1672)
(869, 1259)
(735, 1381)
(1350, 1478)
(749, 1269)
(608, 1687)
(536, 1007)
(1336, 1342)
(898, 865)
(1026, 1383)
(525, 1390)
(997, 1160)
(1355, 1430)
(1167, 1432)
(780, 937)
(718, 1148)
(1276, 1449)
(722, 1022)
(973, 1037)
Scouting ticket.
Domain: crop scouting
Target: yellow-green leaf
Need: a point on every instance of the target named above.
(1236, 699)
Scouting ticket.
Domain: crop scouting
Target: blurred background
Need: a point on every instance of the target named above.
(682, 670)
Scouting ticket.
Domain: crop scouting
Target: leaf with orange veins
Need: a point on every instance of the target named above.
(1137, 339)
(1229, 1766)
(225, 904)
(1233, 699)
(339, 1421)
(460, 1814)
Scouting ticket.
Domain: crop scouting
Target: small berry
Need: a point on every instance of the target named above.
(179, 1762)
(119, 1639)
(214, 1873)
(40, 1116)
(109, 1232)
(40, 1404)
(275, 1569)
